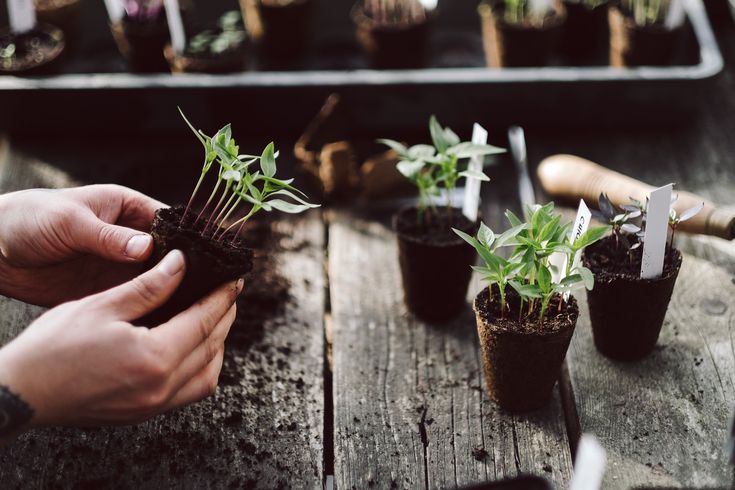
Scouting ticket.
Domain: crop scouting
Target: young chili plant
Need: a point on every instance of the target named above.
(528, 269)
(620, 222)
(437, 167)
(239, 191)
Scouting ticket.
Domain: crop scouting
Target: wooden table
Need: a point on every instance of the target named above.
(341, 384)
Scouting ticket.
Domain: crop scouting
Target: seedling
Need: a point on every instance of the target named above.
(395, 12)
(526, 12)
(620, 221)
(675, 220)
(214, 42)
(528, 270)
(433, 168)
(143, 10)
(647, 12)
(238, 187)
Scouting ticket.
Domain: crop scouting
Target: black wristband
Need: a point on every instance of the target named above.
(14, 412)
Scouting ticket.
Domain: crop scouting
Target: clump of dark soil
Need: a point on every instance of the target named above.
(609, 259)
(433, 229)
(479, 453)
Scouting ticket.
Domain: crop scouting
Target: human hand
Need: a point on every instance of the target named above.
(65, 244)
(83, 363)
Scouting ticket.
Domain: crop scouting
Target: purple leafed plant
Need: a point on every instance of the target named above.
(143, 10)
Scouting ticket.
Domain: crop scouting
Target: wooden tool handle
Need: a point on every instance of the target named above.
(570, 178)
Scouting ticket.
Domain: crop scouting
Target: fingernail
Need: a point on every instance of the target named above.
(137, 246)
(240, 285)
(172, 263)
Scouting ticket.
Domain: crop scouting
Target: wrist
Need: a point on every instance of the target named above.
(20, 399)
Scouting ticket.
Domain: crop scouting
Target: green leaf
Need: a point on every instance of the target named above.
(287, 207)
(399, 148)
(507, 238)
(268, 161)
(437, 135)
(469, 150)
(472, 174)
(293, 196)
(590, 236)
(512, 218)
(526, 291)
(421, 152)
(570, 281)
(544, 278)
(690, 213)
(485, 235)
(198, 134)
(587, 277)
(409, 169)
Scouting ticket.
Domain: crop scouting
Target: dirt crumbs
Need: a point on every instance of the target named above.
(479, 453)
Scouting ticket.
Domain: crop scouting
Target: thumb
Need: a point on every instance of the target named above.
(114, 242)
(145, 293)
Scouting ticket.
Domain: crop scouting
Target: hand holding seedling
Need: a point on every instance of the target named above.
(84, 362)
(60, 245)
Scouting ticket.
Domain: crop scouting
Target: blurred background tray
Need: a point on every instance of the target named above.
(95, 94)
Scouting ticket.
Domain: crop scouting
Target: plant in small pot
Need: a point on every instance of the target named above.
(646, 32)
(521, 32)
(210, 238)
(435, 262)
(219, 50)
(141, 35)
(63, 14)
(279, 27)
(34, 52)
(394, 33)
(526, 317)
(586, 36)
(627, 311)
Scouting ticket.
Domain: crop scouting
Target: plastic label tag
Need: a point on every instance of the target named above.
(472, 188)
(589, 465)
(115, 10)
(22, 15)
(175, 26)
(657, 230)
(584, 216)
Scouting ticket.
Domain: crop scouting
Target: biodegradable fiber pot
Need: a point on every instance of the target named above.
(627, 312)
(631, 45)
(281, 28)
(142, 43)
(230, 61)
(511, 45)
(586, 34)
(395, 46)
(33, 53)
(522, 361)
(208, 263)
(435, 263)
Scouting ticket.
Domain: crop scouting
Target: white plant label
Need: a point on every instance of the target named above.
(115, 10)
(175, 26)
(472, 188)
(657, 230)
(589, 465)
(540, 7)
(584, 216)
(429, 4)
(22, 15)
(675, 16)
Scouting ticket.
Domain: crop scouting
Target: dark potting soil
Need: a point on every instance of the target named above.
(555, 319)
(608, 260)
(23, 52)
(433, 229)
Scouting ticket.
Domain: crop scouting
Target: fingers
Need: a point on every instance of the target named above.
(184, 332)
(112, 242)
(143, 294)
(121, 205)
(204, 352)
(200, 386)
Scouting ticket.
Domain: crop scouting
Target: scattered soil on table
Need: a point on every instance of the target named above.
(479, 453)
(608, 260)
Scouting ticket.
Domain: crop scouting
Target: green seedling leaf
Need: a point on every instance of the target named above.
(410, 169)
(471, 174)
(485, 235)
(288, 207)
(268, 161)
(421, 152)
(399, 148)
(587, 277)
(470, 150)
(690, 213)
(438, 135)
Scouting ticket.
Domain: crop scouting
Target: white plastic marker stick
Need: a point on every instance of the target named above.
(675, 16)
(584, 216)
(22, 15)
(115, 10)
(657, 230)
(589, 465)
(175, 26)
(472, 188)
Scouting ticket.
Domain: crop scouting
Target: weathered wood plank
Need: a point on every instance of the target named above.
(664, 420)
(409, 403)
(262, 429)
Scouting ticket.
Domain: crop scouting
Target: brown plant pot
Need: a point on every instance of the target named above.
(627, 312)
(435, 263)
(42, 57)
(63, 14)
(142, 44)
(631, 45)
(209, 263)
(586, 35)
(522, 361)
(400, 46)
(228, 62)
(511, 45)
(281, 31)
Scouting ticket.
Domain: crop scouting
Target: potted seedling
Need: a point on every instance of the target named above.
(435, 262)
(279, 27)
(586, 36)
(210, 237)
(645, 32)
(219, 50)
(141, 35)
(526, 316)
(626, 310)
(393, 33)
(27, 47)
(63, 14)
(520, 32)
